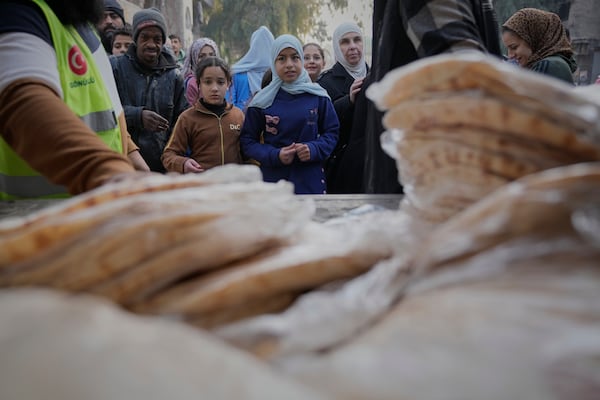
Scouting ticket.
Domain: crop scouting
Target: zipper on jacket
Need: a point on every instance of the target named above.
(219, 118)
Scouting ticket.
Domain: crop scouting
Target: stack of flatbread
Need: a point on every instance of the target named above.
(209, 248)
(271, 280)
(462, 125)
(501, 302)
(57, 346)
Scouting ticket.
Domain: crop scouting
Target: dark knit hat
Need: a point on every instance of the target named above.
(146, 18)
(114, 6)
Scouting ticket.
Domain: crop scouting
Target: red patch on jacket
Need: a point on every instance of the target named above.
(77, 62)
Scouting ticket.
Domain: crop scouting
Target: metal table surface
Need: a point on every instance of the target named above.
(327, 205)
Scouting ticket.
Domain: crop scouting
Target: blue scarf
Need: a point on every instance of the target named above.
(303, 84)
(256, 61)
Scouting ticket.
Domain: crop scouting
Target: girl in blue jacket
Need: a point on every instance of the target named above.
(291, 126)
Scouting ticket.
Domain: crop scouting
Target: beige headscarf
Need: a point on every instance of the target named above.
(543, 31)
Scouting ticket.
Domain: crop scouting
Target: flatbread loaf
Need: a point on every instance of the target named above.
(454, 73)
(218, 244)
(441, 153)
(62, 347)
(269, 305)
(318, 256)
(541, 204)
(471, 122)
(501, 302)
(229, 173)
(508, 124)
(166, 234)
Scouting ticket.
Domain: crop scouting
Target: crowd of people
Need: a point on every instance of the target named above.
(114, 99)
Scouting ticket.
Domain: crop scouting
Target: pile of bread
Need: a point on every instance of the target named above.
(500, 302)
(208, 249)
(495, 295)
(462, 125)
(484, 284)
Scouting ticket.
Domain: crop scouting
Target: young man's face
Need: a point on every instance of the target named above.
(121, 44)
(176, 45)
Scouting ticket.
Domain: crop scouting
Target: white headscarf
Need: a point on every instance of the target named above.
(256, 61)
(303, 84)
(360, 69)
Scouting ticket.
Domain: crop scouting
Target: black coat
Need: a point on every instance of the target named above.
(160, 90)
(393, 48)
(337, 82)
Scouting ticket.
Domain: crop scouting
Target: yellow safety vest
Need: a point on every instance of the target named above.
(84, 92)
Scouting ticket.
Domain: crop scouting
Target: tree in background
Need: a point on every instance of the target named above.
(231, 22)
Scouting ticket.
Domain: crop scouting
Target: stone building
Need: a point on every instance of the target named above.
(179, 15)
(583, 22)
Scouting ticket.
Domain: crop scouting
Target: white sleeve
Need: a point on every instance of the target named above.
(25, 55)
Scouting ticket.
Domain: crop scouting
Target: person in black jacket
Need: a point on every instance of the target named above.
(150, 86)
(112, 20)
(342, 82)
(435, 27)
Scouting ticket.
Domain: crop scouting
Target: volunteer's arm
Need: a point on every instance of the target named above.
(38, 125)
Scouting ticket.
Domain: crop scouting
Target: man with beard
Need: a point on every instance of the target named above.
(150, 86)
(404, 31)
(112, 20)
(62, 126)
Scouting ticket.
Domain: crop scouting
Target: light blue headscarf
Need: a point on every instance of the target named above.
(256, 61)
(303, 84)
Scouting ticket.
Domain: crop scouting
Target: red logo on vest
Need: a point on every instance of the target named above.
(77, 62)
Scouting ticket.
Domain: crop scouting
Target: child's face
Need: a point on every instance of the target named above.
(121, 44)
(313, 61)
(175, 45)
(213, 85)
(288, 65)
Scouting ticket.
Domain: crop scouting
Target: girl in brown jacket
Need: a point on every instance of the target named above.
(208, 134)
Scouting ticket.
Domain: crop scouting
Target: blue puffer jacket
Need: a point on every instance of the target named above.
(160, 89)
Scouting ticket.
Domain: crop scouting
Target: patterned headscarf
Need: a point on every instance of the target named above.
(543, 31)
(256, 61)
(360, 69)
(303, 84)
(192, 55)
